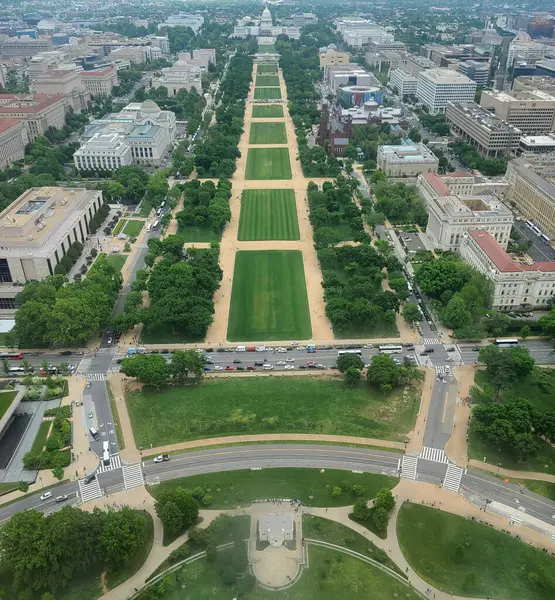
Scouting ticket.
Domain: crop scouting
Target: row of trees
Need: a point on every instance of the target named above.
(55, 313)
(468, 155)
(56, 454)
(458, 292)
(155, 370)
(217, 152)
(45, 553)
(400, 203)
(205, 204)
(332, 207)
(128, 185)
(377, 515)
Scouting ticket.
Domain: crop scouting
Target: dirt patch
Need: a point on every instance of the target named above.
(103, 583)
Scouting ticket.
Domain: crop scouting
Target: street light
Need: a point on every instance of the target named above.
(498, 466)
(488, 501)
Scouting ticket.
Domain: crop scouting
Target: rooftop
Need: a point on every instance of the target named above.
(446, 76)
(275, 524)
(538, 140)
(27, 103)
(530, 95)
(483, 117)
(500, 258)
(407, 153)
(6, 124)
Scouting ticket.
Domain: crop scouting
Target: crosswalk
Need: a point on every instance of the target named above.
(430, 341)
(453, 476)
(115, 463)
(89, 491)
(133, 476)
(96, 376)
(433, 454)
(408, 467)
(443, 370)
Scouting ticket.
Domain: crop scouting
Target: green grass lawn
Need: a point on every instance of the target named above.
(117, 260)
(231, 488)
(244, 405)
(270, 111)
(164, 335)
(119, 226)
(268, 297)
(268, 133)
(40, 438)
(267, 81)
(198, 234)
(268, 215)
(115, 417)
(6, 399)
(267, 68)
(267, 93)
(6, 488)
(266, 48)
(331, 575)
(133, 227)
(146, 208)
(468, 559)
(268, 163)
(543, 488)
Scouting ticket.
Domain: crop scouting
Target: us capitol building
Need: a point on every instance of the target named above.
(264, 29)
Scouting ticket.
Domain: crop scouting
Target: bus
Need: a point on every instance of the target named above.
(506, 342)
(529, 224)
(536, 230)
(409, 286)
(12, 355)
(156, 223)
(106, 453)
(16, 369)
(343, 352)
(149, 227)
(546, 238)
(390, 349)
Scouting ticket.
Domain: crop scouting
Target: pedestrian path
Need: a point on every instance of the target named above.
(433, 454)
(408, 466)
(133, 476)
(115, 463)
(89, 491)
(96, 376)
(430, 341)
(453, 476)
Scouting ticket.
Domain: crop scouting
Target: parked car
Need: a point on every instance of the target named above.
(240, 368)
(251, 368)
(289, 367)
(258, 364)
(450, 349)
(46, 496)
(207, 369)
(88, 384)
(218, 368)
(229, 368)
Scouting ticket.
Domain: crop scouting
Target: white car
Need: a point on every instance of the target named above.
(295, 343)
(289, 367)
(449, 359)
(281, 362)
(289, 360)
(109, 341)
(282, 349)
(46, 496)
(218, 368)
(158, 459)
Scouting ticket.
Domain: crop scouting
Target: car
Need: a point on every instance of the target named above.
(66, 353)
(251, 368)
(209, 362)
(303, 367)
(237, 362)
(448, 370)
(396, 361)
(71, 367)
(109, 341)
(162, 458)
(476, 348)
(423, 353)
(90, 479)
(428, 350)
(258, 364)
(218, 368)
(309, 362)
(46, 496)
(153, 351)
(164, 351)
(90, 415)
(289, 360)
(312, 366)
(281, 362)
(295, 343)
(282, 349)
(450, 349)
(289, 367)
(229, 368)
(61, 498)
(88, 384)
(240, 368)
(207, 369)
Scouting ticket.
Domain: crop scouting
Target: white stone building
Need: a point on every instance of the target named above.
(276, 529)
(437, 87)
(450, 215)
(406, 161)
(65, 82)
(516, 286)
(359, 32)
(195, 22)
(105, 151)
(403, 82)
(265, 28)
(13, 139)
(100, 82)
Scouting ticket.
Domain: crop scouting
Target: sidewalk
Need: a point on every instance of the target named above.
(417, 434)
(456, 447)
(130, 453)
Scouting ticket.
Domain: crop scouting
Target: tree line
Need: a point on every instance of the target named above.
(471, 158)
(218, 150)
(399, 202)
(205, 204)
(155, 370)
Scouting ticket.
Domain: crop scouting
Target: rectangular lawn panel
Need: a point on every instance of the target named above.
(267, 93)
(268, 298)
(190, 233)
(133, 227)
(268, 133)
(258, 405)
(267, 68)
(268, 163)
(470, 559)
(268, 215)
(6, 399)
(271, 111)
(267, 81)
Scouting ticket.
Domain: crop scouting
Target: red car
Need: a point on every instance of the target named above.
(229, 368)
(310, 362)
(251, 368)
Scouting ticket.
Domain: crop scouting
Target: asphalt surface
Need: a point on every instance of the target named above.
(539, 251)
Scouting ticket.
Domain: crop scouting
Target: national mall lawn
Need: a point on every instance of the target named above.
(227, 406)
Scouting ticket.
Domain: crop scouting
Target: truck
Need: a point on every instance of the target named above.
(240, 349)
(261, 348)
(251, 348)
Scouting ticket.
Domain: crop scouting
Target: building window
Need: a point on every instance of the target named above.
(7, 303)
(5, 274)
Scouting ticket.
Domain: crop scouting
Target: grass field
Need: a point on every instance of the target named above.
(267, 93)
(543, 488)
(133, 227)
(6, 398)
(115, 418)
(40, 438)
(268, 298)
(267, 68)
(266, 48)
(331, 575)
(243, 487)
(118, 260)
(268, 163)
(119, 226)
(243, 405)
(468, 559)
(146, 208)
(198, 234)
(268, 215)
(267, 112)
(267, 81)
(268, 133)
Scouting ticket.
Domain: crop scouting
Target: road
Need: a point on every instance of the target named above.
(539, 251)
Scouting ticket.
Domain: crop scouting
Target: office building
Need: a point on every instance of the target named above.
(160, 41)
(387, 45)
(360, 32)
(406, 160)
(516, 286)
(45, 62)
(525, 51)
(386, 58)
(451, 214)
(532, 84)
(532, 189)
(532, 112)
(404, 83)
(478, 72)
(437, 87)
(100, 82)
(331, 56)
(490, 134)
(104, 151)
(536, 144)
(13, 139)
(545, 68)
(195, 22)
(135, 54)
(23, 47)
(36, 232)
(65, 82)
(416, 64)
(463, 183)
(301, 19)
(37, 111)
(350, 74)
(182, 75)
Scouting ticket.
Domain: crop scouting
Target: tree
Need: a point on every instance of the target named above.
(58, 473)
(326, 236)
(122, 535)
(26, 366)
(384, 499)
(185, 503)
(184, 362)
(383, 372)
(6, 366)
(411, 313)
(524, 332)
(456, 313)
(151, 369)
(352, 376)
(506, 366)
(380, 517)
(347, 361)
(547, 324)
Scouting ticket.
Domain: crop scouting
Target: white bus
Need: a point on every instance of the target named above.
(106, 453)
(342, 352)
(149, 227)
(546, 238)
(529, 224)
(390, 349)
(536, 230)
(409, 286)
(506, 342)
(156, 223)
